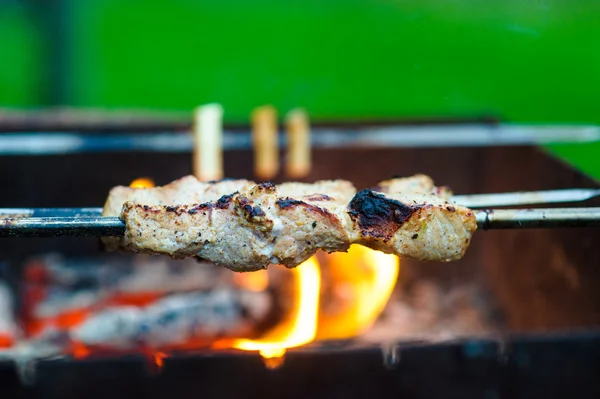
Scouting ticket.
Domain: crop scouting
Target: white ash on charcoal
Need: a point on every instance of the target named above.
(187, 320)
(126, 301)
(174, 320)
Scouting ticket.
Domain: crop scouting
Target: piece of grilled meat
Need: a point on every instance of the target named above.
(246, 227)
(187, 190)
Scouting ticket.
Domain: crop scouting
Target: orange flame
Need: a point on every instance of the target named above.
(300, 326)
(142, 182)
(364, 280)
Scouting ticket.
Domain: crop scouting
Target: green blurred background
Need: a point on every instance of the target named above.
(522, 60)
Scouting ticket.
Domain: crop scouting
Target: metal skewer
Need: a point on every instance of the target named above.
(537, 218)
(473, 201)
(86, 226)
(526, 198)
(62, 226)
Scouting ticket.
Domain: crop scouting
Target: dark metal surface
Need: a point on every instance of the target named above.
(545, 367)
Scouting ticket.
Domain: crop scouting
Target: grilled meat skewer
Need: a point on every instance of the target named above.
(246, 226)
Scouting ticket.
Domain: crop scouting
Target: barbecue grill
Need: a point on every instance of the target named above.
(541, 283)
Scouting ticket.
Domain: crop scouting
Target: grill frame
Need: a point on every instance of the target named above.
(532, 288)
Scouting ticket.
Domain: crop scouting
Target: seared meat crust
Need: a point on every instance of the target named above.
(245, 227)
(422, 227)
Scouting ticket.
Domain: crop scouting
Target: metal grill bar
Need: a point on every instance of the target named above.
(399, 136)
